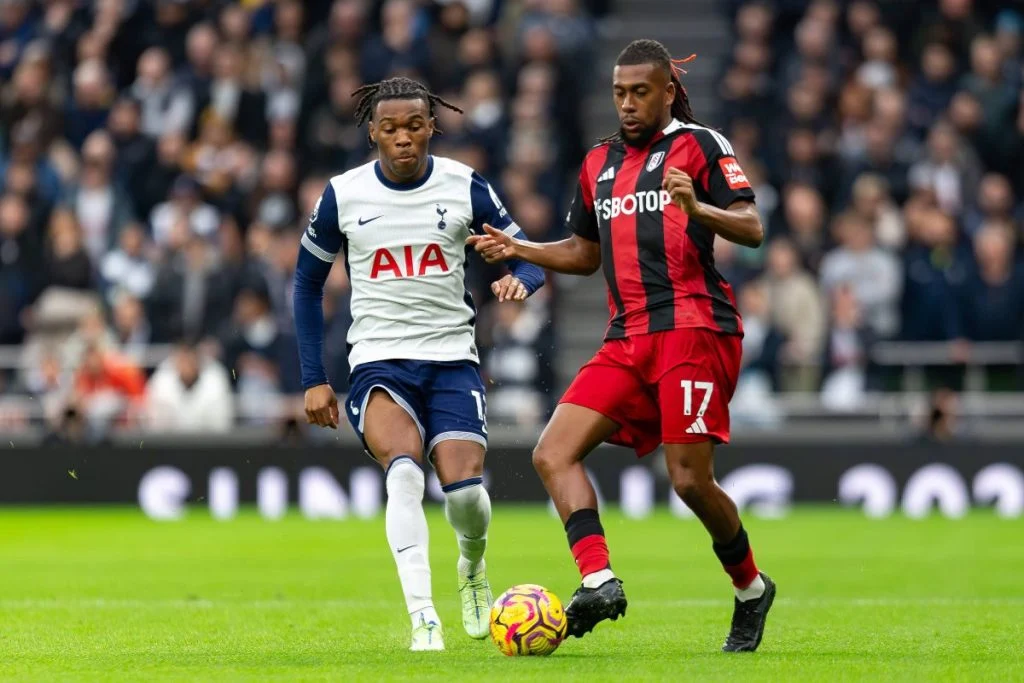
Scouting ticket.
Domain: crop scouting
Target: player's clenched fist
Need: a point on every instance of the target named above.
(322, 406)
(509, 288)
(494, 246)
(679, 186)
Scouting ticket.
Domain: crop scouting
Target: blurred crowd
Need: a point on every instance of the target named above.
(158, 160)
(885, 141)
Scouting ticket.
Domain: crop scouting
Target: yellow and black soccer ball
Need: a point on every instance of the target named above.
(528, 620)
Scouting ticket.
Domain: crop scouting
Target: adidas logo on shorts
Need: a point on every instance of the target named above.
(698, 427)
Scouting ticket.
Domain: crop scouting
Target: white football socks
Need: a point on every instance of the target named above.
(408, 537)
(468, 509)
(751, 592)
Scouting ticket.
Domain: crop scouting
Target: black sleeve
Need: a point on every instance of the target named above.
(722, 176)
(582, 217)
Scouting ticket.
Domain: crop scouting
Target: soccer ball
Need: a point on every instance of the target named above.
(528, 620)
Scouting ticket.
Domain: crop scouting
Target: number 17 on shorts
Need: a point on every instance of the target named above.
(692, 410)
(705, 390)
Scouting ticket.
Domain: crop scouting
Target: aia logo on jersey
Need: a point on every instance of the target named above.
(441, 225)
(735, 178)
(404, 263)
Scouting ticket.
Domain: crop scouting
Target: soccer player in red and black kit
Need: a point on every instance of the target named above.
(648, 206)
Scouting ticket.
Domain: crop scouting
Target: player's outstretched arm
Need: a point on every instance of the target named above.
(321, 242)
(310, 276)
(490, 218)
(573, 256)
(739, 223)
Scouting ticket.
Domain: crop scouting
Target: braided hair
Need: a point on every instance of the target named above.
(646, 51)
(398, 88)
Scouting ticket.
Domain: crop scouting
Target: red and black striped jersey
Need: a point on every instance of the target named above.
(659, 264)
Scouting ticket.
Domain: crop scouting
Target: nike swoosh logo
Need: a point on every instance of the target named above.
(369, 220)
(402, 550)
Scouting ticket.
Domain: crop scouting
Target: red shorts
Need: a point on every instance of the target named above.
(663, 387)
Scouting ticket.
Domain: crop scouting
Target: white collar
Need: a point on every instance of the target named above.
(672, 127)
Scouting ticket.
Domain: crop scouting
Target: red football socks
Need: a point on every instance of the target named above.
(591, 554)
(738, 559)
(744, 573)
(587, 542)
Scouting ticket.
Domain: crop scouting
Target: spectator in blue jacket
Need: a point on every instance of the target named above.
(935, 265)
(993, 296)
(932, 90)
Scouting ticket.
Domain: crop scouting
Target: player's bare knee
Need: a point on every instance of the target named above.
(690, 470)
(385, 447)
(544, 460)
(458, 460)
(388, 456)
(451, 470)
(384, 450)
(389, 430)
(689, 484)
(686, 487)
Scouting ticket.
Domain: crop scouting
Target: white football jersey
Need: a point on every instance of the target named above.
(405, 251)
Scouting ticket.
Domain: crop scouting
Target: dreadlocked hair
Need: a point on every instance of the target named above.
(646, 51)
(398, 88)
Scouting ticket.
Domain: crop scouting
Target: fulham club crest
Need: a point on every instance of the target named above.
(655, 161)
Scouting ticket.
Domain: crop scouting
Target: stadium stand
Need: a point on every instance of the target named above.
(884, 139)
(158, 160)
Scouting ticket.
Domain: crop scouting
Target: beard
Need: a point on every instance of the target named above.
(641, 138)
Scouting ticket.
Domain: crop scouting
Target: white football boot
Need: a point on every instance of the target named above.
(475, 594)
(427, 636)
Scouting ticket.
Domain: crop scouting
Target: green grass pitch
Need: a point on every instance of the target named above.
(105, 594)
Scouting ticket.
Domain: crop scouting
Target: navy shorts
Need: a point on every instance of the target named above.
(446, 400)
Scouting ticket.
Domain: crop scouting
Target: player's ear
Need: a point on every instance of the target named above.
(431, 126)
(372, 133)
(670, 93)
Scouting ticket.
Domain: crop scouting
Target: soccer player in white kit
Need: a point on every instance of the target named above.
(402, 223)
